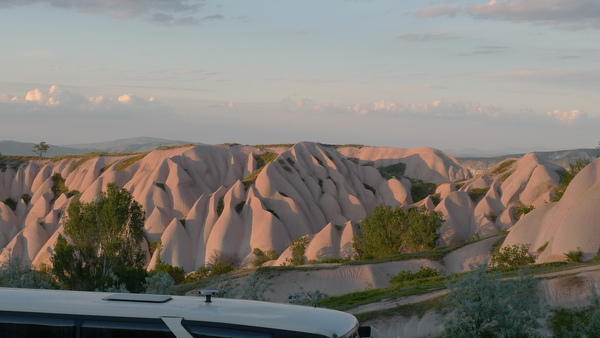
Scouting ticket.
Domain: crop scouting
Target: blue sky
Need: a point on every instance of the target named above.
(444, 74)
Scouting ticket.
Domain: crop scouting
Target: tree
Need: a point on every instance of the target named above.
(41, 148)
(390, 231)
(511, 256)
(481, 304)
(567, 176)
(104, 241)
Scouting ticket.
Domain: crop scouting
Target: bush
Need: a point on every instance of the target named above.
(407, 276)
(160, 283)
(567, 176)
(262, 257)
(511, 256)
(575, 255)
(298, 249)
(480, 304)
(221, 263)
(11, 203)
(388, 232)
(578, 323)
(477, 194)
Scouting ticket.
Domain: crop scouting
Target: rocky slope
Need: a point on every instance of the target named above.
(205, 199)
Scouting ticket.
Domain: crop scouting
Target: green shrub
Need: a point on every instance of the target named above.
(477, 194)
(388, 232)
(11, 203)
(502, 168)
(395, 170)
(262, 257)
(58, 186)
(221, 263)
(239, 207)
(161, 185)
(220, 206)
(566, 177)
(130, 161)
(520, 209)
(407, 276)
(575, 255)
(511, 256)
(298, 246)
(419, 189)
(26, 198)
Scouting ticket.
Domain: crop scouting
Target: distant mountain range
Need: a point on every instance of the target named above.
(130, 145)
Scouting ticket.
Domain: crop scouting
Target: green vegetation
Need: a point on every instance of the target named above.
(26, 198)
(239, 207)
(129, 162)
(520, 209)
(105, 248)
(388, 231)
(407, 276)
(578, 322)
(516, 255)
(420, 190)
(220, 206)
(503, 168)
(85, 158)
(299, 246)
(355, 299)
(481, 304)
(40, 148)
(566, 177)
(477, 194)
(161, 186)
(406, 310)
(261, 161)
(575, 255)
(395, 170)
(262, 257)
(11, 203)
(58, 186)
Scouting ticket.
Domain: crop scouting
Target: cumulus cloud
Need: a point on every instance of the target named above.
(58, 100)
(571, 14)
(567, 117)
(165, 12)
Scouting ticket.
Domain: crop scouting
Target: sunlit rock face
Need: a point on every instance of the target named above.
(232, 199)
(570, 224)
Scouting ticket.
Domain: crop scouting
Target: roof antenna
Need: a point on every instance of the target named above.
(208, 294)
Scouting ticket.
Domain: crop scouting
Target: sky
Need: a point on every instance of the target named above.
(448, 74)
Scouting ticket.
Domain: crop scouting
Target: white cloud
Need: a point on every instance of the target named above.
(567, 117)
(571, 14)
(165, 12)
(60, 101)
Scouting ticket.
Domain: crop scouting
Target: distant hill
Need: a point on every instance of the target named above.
(130, 145)
(479, 164)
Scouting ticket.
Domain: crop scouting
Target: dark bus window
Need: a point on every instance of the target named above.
(98, 329)
(212, 332)
(30, 327)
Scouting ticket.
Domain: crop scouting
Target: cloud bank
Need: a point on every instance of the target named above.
(62, 102)
(159, 11)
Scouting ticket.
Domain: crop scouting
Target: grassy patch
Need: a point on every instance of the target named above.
(420, 189)
(85, 158)
(477, 194)
(406, 310)
(502, 168)
(261, 161)
(355, 299)
(130, 161)
(395, 170)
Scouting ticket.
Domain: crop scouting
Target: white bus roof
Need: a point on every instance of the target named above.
(306, 319)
